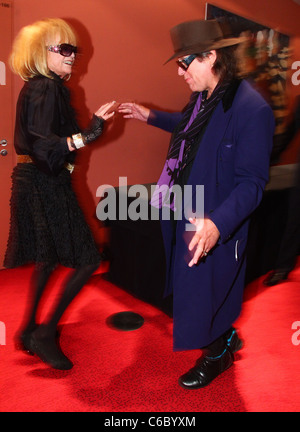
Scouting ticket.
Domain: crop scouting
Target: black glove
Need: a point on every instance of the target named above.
(94, 130)
(90, 134)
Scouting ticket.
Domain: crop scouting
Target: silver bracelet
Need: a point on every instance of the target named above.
(78, 141)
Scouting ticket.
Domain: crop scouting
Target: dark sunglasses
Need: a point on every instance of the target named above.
(64, 49)
(184, 63)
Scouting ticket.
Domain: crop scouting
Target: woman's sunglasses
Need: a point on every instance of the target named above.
(64, 49)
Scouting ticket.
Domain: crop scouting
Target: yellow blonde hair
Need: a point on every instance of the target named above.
(29, 53)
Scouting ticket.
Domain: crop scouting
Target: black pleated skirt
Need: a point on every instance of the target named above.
(47, 225)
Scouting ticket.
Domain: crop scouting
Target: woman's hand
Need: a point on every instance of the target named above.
(204, 239)
(95, 128)
(104, 111)
(133, 110)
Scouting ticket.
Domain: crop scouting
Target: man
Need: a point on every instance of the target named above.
(222, 140)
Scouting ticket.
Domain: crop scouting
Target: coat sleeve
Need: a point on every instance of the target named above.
(48, 149)
(253, 141)
(167, 120)
(164, 120)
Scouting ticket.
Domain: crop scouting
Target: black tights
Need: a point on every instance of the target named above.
(72, 287)
(40, 278)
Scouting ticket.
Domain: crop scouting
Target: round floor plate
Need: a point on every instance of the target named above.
(126, 321)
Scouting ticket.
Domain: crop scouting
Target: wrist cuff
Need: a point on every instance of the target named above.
(78, 141)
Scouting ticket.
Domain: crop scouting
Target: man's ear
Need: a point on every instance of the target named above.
(212, 56)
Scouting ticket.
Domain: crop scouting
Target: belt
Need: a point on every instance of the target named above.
(27, 159)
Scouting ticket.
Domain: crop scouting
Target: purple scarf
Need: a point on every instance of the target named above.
(161, 195)
(195, 117)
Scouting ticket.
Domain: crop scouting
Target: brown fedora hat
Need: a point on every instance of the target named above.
(195, 37)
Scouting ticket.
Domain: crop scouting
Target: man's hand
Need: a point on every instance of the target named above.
(204, 239)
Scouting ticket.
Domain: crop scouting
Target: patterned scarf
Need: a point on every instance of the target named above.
(195, 117)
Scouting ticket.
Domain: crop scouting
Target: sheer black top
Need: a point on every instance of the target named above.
(44, 120)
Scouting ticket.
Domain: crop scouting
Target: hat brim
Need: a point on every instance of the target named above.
(197, 49)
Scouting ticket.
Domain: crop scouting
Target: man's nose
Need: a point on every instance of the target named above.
(181, 71)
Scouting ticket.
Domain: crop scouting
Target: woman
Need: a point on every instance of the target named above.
(47, 225)
(222, 141)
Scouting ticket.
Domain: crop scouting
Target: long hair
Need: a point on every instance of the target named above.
(29, 53)
(225, 65)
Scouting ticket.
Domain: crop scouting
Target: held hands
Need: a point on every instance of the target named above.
(204, 239)
(133, 110)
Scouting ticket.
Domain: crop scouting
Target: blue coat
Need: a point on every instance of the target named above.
(232, 163)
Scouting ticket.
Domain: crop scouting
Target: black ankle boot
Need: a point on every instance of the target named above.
(206, 370)
(47, 349)
(23, 340)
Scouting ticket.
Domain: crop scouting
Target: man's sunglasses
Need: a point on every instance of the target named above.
(184, 63)
(64, 49)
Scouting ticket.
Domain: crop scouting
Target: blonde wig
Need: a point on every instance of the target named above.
(29, 53)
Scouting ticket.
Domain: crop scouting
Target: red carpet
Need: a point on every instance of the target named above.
(136, 371)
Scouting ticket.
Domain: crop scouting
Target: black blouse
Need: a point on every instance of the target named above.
(44, 120)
